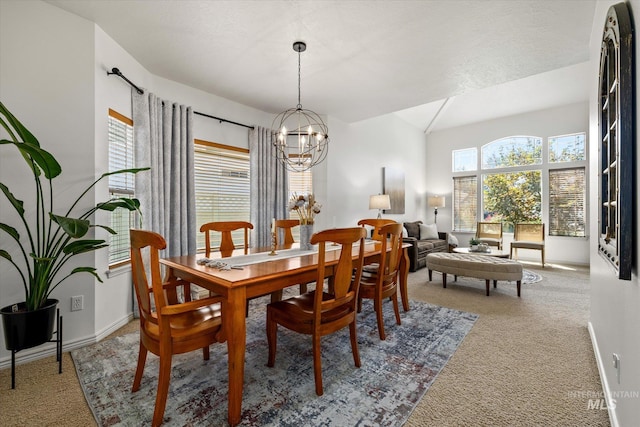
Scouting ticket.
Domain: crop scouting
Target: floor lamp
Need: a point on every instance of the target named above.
(379, 201)
(436, 202)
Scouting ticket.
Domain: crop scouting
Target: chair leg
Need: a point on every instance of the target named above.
(142, 358)
(205, 353)
(354, 343)
(317, 364)
(359, 304)
(542, 257)
(303, 288)
(396, 308)
(272, 338)
(377, 304)
(163, 389)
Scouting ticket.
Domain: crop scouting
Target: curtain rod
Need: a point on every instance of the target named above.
(117, 72)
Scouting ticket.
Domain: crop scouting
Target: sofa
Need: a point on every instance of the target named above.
(424, 240)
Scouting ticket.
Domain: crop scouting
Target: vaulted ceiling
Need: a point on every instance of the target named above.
(431, 60)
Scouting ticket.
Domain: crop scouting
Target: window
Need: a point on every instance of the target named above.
(567, 148)
(222, 187)
(465, 203)
(465, 160)
(567, 202)
(121, 185)
(512, 197)
(299, 183)
(513, 178)
(512, 151)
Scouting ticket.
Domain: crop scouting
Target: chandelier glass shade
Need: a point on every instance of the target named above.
(301, 136)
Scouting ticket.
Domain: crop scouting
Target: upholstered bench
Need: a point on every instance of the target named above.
(474, 265)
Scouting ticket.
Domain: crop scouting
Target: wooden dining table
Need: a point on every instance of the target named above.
(261, 277)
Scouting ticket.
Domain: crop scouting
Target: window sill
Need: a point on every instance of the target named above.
(119, 270)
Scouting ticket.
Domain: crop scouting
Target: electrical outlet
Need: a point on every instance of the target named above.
(77, 303)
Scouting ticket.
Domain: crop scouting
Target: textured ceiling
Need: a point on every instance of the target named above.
(364, 58)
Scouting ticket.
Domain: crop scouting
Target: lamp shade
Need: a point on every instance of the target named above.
(436, 202)
(379, 201)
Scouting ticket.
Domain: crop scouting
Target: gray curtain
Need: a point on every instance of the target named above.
(163, 135)
(269, 186)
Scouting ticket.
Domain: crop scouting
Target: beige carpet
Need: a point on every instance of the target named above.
(523, 363)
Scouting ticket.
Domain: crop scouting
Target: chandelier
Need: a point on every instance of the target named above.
(302, 138)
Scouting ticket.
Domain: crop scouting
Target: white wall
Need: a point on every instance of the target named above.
(615, 304)
(545, 123)
(47, 81)
(357, 154)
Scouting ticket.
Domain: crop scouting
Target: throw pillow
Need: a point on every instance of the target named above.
(428, 231)
(405, 233)
(453, 240)
(413, 229)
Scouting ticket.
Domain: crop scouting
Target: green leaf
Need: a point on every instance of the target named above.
(5, 254)
(133, 170)
(89, 270)
(80, 246)
(24, 133)
(10, 231)
(41, 157)
(74, 227)
(17, 204)
(122, 202)
(109, 229)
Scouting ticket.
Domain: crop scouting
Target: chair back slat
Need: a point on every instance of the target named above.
(529, 232)
(376, 223)
(347, 273)
(226, 243)
(285, 225)
(392, 239)
(146, 245)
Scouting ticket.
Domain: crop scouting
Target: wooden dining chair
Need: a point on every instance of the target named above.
(226, 242)
(171, 327)
(528, 236)
(490, 233)
(384, 283)
(227, 246)
(285, 225)
(319, 313)
(376, 223)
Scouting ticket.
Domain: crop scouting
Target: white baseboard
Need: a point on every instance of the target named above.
(613, 419)
(49, 349)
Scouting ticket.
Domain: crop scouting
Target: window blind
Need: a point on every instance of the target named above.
(567, 202)
(465, 203)
(222, 187)
(120, 135)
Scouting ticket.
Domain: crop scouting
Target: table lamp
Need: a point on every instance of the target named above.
(379, 201)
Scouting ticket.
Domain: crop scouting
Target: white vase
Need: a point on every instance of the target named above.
(306, 231)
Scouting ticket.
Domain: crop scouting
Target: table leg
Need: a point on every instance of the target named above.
(236, 334)
(404, 278)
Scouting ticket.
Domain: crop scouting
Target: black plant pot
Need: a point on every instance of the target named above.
(25, 329)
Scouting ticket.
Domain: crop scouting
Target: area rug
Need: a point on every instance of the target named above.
(529, 277)
(394, 375)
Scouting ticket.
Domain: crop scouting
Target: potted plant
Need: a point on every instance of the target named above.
(473, 244)
(50, 240)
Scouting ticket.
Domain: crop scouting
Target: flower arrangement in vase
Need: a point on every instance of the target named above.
(306, 206)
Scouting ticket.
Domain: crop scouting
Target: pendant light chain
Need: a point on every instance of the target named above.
(299, 103)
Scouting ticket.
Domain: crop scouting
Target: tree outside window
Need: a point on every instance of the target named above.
(512, 197)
